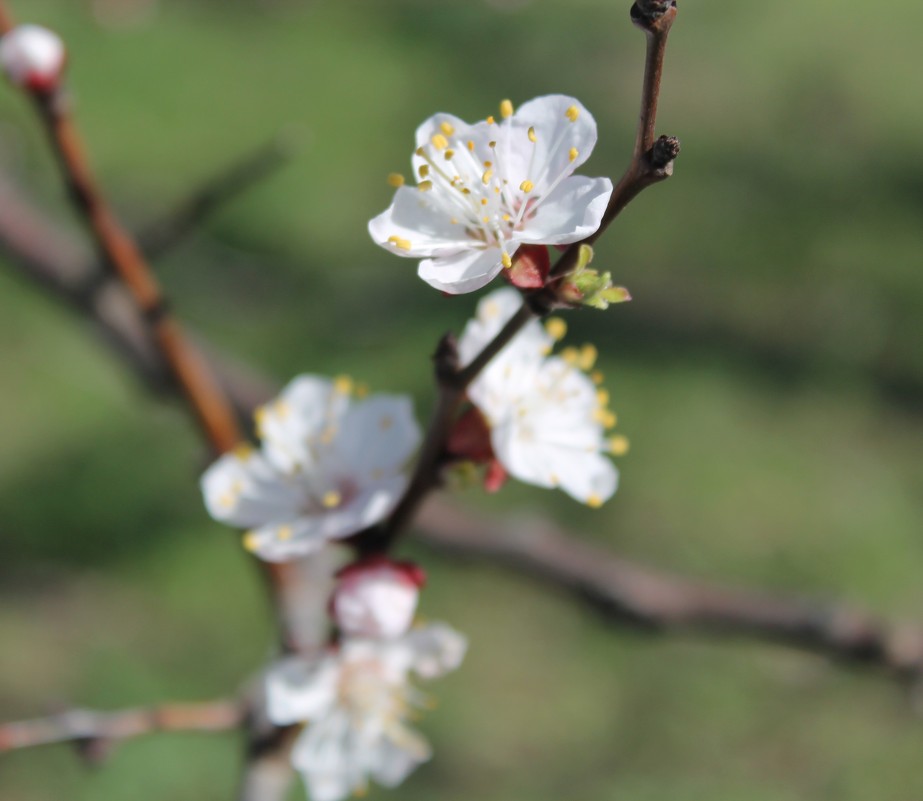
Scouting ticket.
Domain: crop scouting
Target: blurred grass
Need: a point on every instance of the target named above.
(768, 373)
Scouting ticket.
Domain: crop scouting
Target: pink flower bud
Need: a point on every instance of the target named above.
(376, 598)
(32, 57)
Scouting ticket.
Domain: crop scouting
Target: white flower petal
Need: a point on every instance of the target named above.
(247, 491)
(556, 134)
(593, 478)
(463, 272)
(570, 213)
(394, 761)
(377, 436)
(415, 225)
(493, 312)
(298, 689)
(435, 649)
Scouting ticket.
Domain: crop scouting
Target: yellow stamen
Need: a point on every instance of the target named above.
(395, 179)
(490, 120)
(570, 355)
(281, 408)
(507, 261)
(453, 221)
(602, 397)
(343, 384)
(506, 109)
(572, 113)
(483, 201)
(471, 145)
(485, 219)
(488, 164)
(556, 328)
(285, 533)
(485, 178)
(425, 186)
(439, 141)
(449, 154)
(243, 451)
(606, 418)
(385, 423)
(554, 479)
(597, 376)
(423, 170)
(594, 501)
(506, 218)
(588, 354)
(572, 154)
(332, 499)
(527, 186)
(492, 144)
(251, 541)
(618, 445)
(447, 128)
(227, 500)
(361, 390)
(532, 136)
(403, 244)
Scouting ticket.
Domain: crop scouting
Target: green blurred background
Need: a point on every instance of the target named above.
(769, 374)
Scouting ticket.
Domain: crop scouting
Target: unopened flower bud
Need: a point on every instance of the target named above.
(376, 598)
(32, 57)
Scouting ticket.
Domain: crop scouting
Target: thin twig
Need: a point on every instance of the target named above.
(123, 724)
(627, 593)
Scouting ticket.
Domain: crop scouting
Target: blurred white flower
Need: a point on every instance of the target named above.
(32, 56)
(356, 701)
(485, 189)
(329, 466)
(376, 598)
(547, 418)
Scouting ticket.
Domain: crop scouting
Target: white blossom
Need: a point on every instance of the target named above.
(32, 56)
(329, 467)
(547, 417)
(376, 598)
(356, 700)
(485, 189)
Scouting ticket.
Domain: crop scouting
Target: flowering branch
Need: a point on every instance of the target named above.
(626, 593)
(103, 728)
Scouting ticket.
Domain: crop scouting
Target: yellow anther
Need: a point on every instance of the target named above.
(556, 328)
(485, 219)
(425, 186)
(618, 445)
(439, 141)
(420, 152)
(471, 145)
(332, 499)
(343, 384)
(227, 500)
(492, 144)
(423, 169)
(490, 120)
(597, 377)
(259, 419)
(395, 179)
(403, 244)
(447, 128)
(485, 178)
(483, 201)
(606, 418)
(572, 113)
(449, 154)
(532, 136)
(588, 354)
(570, 355)
(506, 218)
(466, 191)
(251, 541)
(327, 435)
(602, 397)
(488, 164)
(361, 390)
(555, 480)
(285, 533)
(491, 310)
(281, 408)
(243, 451)
(507, 261)
(572, 154)
(527, 186)
(385, 423)
(594, 501)
(453, 221)
(506, 109)
(496, 190)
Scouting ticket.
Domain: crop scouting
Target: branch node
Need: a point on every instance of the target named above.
(665, 149)
(647, 14)
(445, 359)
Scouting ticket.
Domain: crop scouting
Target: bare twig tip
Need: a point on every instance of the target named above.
(665, 149)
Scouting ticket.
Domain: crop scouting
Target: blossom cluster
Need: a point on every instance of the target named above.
(331, 463)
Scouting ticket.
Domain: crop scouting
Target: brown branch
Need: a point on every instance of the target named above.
(82, 725)
(626, 593)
